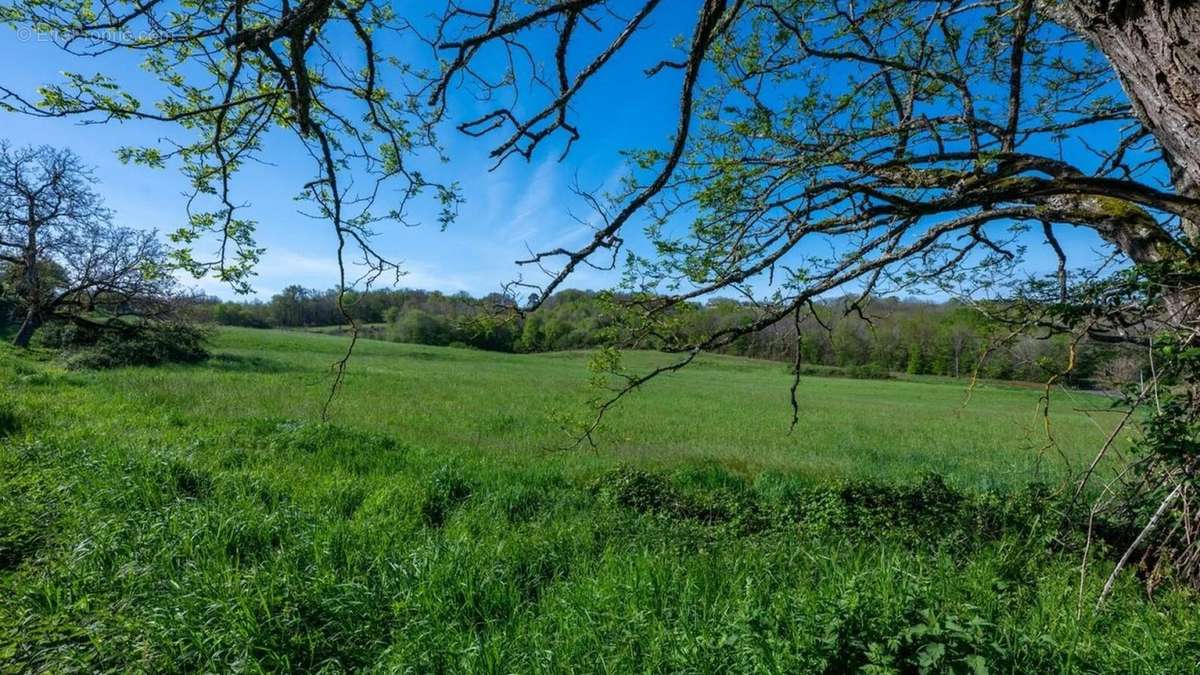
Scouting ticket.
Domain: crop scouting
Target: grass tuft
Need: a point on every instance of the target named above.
(10, 419)
(447, 490)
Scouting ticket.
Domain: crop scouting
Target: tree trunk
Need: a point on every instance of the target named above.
(1154, 46)
(31, 323)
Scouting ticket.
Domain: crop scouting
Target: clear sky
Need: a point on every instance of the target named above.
(519, 205)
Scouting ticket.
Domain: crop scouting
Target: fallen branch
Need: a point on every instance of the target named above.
(1162, 508)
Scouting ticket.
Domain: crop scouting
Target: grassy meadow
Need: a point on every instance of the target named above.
(198, 517)
(731, 411)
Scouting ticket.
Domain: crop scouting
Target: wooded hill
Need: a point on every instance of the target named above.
(895, 335)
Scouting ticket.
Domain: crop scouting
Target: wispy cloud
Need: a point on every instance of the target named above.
(534, 208)
(422, 275)
(291, 263)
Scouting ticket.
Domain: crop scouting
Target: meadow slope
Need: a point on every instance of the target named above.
(199, 518)
(730, 410)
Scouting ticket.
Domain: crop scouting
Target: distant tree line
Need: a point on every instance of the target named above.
(896, 335)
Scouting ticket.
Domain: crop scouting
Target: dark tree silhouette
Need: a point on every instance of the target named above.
(65, 259)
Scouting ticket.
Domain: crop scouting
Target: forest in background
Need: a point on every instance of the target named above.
(913, 336)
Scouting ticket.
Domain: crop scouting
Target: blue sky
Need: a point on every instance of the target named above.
(519, 204)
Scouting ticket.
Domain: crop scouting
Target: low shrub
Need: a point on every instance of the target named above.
(636, 489)
(937, 644)
(929, 503)
(869, 371)
(727, 505)
(116, 345)
(914, 510)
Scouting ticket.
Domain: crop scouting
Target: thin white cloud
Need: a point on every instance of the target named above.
(291, 263)
(536, 205)
(421, 275)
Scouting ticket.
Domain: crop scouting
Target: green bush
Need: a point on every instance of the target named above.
(148, 343)
(928, 507)
(869, 371)
(637, 489)
(937, 644)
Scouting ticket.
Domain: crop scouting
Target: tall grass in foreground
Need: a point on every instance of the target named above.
(155, 538)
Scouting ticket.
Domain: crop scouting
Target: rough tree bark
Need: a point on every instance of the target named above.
(30, 275)
(30, 325)
(1154, 46)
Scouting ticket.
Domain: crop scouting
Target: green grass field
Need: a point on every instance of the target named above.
(732, 411)
(198, 518)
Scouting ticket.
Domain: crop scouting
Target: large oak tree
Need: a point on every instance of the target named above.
(63, 258)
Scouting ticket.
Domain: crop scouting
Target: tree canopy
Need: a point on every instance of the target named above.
(913, 136)
(62, 257)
